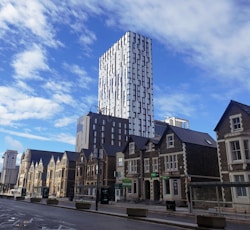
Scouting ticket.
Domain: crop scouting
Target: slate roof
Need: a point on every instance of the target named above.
(140, 142)
(36, 155)
(193, 137)
(243, 107)
(111, 150)
(87, 152)
(160, 127)
(72, 156)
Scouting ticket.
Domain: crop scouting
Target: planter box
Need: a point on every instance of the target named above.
(52, 201)
(35, 199)
(83, 205)
(20, 198)
(211, 221)
(137, 212)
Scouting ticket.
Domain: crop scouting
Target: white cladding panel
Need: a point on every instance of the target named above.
(126, 83)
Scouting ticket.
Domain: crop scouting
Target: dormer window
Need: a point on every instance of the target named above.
(236, 123)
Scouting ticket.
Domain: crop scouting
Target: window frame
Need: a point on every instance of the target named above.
(170, 162)
(235, 150)
(155, 164)
(240, 191)
(146, 165)
(132, 166)
(131, 148)
(170, 140)
(236, 123)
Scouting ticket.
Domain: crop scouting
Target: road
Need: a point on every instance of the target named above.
(25, 215)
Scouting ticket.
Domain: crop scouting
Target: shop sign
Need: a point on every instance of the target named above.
(154, 174)
(126, 182)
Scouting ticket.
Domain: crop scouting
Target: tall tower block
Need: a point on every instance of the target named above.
(126, 83)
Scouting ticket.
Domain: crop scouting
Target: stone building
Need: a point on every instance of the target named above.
(160, 169)
(61, 174)
(233, 138)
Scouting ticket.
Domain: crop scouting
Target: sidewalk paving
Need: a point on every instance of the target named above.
(156, 213)
(188, 219)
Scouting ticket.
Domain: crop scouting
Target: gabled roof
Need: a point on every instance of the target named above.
(193, 137)
(111, 150)
(154, 140)
(72, 156)
(160, 127)
(36, 155)
(140, 142)
(243, 107)
(86, 152)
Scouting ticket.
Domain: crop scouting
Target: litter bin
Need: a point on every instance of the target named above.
(170, 205)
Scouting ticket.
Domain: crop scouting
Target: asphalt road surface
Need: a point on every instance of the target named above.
(24, 215)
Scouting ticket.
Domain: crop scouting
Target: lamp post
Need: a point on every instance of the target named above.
(98, 179)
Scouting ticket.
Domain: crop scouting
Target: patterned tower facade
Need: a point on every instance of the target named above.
(126, 83)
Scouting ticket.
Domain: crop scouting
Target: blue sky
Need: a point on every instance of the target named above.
(49, 52)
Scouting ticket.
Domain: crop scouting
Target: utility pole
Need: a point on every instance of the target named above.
(98, 180)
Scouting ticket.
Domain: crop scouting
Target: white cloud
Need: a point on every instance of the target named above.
(28, 63)
(175, 104)
(26, 135)
(64, 98)
(21, 85)
(27, 17)
(83, 79)
(16, 106)
(61, 137)
(14, 144)
(65, 121)
(59, 86)
(214, 40)
(65, 138)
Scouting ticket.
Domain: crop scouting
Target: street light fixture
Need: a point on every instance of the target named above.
(98, 179)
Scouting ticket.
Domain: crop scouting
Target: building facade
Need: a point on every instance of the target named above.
(33, 170)
(63, 175)
(233, 138)
(126, 84)
(159, 169)
(96, 129)
(9, 170)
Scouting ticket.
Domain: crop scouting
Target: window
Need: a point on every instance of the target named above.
(175, 186)
(170, 141)
(167, 186)
(146, 165)
(246, 149)
(155, 164)
(171, 163)
(120, 161)
(132, 166)
(63, 170)
(134, 187)
(235, 150)
(240, 191)
(235, 122)
(132, 148)
(150, 147)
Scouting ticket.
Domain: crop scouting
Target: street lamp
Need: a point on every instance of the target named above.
(98, 179)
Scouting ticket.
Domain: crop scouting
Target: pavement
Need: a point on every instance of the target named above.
(181, 217)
